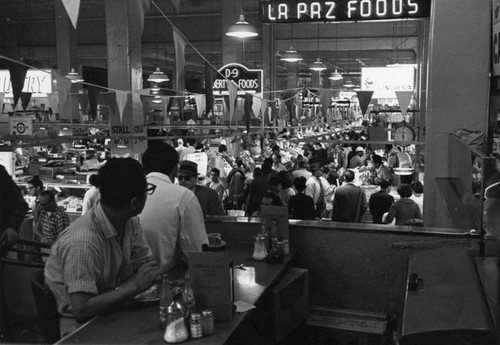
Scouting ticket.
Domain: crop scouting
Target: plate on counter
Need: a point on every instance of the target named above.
(217, 247)
(150, 295)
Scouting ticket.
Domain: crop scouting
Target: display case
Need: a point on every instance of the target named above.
(68, 194)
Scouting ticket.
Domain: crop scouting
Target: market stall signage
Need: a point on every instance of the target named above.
(401, 78)
(290, 11)
(247, 80)
(38, 82)
(21, 125)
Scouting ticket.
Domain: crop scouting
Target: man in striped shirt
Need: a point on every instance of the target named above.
(52, 219)
(102, 259)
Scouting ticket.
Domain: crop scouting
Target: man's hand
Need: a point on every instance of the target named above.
(8, 238)
(147, 275)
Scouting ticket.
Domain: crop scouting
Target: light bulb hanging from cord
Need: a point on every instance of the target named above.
(157, 76)
(74, 77)
(318, 65)
(335, 76)
(291, 55)
(241, 29)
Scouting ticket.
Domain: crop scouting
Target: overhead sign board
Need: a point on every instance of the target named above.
(247, 80)
(400, 78)
(38, 82)
(292, 11)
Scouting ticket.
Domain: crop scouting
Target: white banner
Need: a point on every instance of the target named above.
(39, 83)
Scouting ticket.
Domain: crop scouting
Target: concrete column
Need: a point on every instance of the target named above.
(125, 74)
(232, 47)
(457, 94)
(67, 58)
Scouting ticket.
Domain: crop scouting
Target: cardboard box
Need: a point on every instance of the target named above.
(286, 306)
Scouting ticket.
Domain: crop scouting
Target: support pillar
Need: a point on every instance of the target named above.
(125, 74)
(67, 58)
(459, 60)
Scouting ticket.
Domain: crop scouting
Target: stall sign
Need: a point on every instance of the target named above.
(8, 160)
(496, 37)
(38, 82)
(247, 80)
(292, 11)
(201, 159)
(21, 125)
(384, 81)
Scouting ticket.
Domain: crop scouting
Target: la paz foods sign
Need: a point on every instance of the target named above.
(247, 80)
(291, 11)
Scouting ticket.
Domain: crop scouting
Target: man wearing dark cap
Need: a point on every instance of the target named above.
(207, 197)
(349, 201)
(172, 218)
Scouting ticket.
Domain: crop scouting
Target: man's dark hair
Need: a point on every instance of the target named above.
(384, 184)
(267, 168)
(160, 157)
(94, 180)
(274, 181)
(216, 171)
(405, 190)
(49, 194)
(299, 183)
(275, 148)
(417, 187)
(239, 162)
(349, 176)
(222, 148)
(199, 146)
(377, 159)
(121, 180)
(36, 182)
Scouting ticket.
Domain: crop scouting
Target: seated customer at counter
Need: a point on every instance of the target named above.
(404, 210)
(102, 259)
(172, 218)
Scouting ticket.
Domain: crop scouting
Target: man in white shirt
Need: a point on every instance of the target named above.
(189, 149)
(172, 218)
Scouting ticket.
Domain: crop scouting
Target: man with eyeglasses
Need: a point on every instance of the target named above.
(52, 219)
(172, 218)
(102, 259)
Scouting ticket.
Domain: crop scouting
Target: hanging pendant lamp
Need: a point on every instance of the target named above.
(158, 76)
(241, 29)
(348, 84)
(291, 55)
(335, 75)
(318, 65)
(74, 77)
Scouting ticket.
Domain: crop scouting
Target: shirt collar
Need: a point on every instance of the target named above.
(160, 176)
(107, 228)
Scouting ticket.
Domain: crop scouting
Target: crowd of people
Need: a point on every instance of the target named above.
(141, 218)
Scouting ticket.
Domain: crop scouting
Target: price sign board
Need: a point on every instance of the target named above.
(247, 80)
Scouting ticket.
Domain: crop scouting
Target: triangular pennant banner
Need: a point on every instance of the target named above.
(25, 99)
(364, 98)
(145, 103)
(176, 4)
(83, 100)
(200, 104)
(17, 78)
(209, 88)
(263, 107)
(109, 99)
(137, 10)
(404, 98)
(247, 108)
(325, 99)
(72, 8)
(257, 103)
(180, 62)
(233, 93)
(121, 101)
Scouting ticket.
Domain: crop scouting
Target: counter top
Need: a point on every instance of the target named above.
(141, 325)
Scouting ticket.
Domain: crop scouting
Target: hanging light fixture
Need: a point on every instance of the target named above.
(157, 76)
(241, 29)
(291, 55)
(155, 88)
(156, 99)
(335, 75)
(348, 84)
(74, 77)
(318, 65)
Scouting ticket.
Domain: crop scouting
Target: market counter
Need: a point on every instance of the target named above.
(141, 325)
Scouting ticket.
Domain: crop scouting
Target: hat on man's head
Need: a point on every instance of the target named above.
(188, 167)
(360, 149)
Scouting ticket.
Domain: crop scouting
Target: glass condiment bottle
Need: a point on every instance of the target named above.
(165, 300)
(195, 327)
(207, 322)
(260, 248)
(188, 296)
(175, 330)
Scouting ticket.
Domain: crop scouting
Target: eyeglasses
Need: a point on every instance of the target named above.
(150, 189)
(184, 177)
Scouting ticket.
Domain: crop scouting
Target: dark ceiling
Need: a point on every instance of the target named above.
(347, 46)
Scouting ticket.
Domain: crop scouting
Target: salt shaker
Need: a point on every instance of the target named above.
(195, 325)
(207, 322)
(176, 330)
